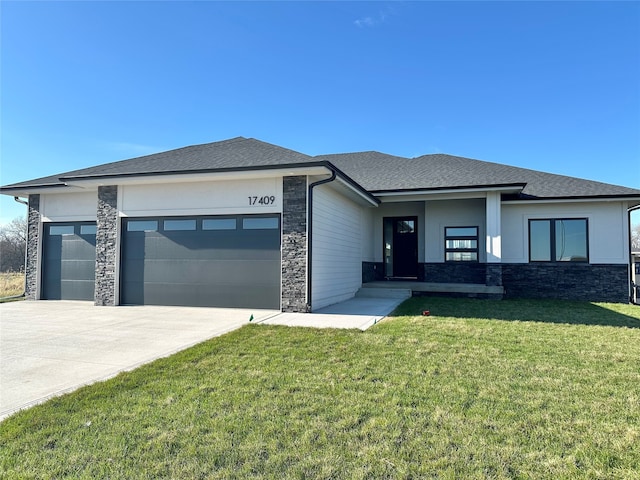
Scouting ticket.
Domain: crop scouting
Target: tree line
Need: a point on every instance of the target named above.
(13, 244)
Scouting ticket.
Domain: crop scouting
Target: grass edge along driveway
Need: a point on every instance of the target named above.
(479, 389)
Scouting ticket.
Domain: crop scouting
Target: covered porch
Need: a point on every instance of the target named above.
(437, 242)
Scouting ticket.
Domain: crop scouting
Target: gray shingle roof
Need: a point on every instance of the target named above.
(378, 172)
(374, 171)
(233, 154)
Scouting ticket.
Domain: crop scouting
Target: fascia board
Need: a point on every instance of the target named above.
(42, 189)
(148, 179)
(444, 194)
(633, 200)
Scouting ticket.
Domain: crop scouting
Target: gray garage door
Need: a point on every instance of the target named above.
(218, 261)
(69, 261)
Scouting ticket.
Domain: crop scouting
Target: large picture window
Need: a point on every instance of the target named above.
(558, 240)
(461, 244)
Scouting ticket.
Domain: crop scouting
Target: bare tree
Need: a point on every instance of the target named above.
(13, 244)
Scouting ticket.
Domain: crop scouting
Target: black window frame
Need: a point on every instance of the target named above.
(475, 237)
(552, 240)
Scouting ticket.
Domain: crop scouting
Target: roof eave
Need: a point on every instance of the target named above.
(102, 177)
(522, 198)
(24, 190)
(502, 188)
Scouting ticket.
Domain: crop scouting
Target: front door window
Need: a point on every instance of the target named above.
(400, 247)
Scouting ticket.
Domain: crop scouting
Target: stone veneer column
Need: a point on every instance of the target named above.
(294, 245)
(33, 240)
(106, 241)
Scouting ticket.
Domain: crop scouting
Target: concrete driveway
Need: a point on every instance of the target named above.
(48, 348)
(51, 347)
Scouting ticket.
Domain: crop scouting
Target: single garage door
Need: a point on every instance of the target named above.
(217, 261)
(69, 261)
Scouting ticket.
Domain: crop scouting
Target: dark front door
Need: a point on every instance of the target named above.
(401, 247)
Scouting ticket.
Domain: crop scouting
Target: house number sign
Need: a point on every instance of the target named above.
(264, 200)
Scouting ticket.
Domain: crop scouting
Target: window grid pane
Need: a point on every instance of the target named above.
(461, 231)
(539, 244)
(461, 244)
(458, 244)
(571, 241)
(462, 256)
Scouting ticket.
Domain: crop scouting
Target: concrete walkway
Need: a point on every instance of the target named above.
(358, 312)
(48, 348)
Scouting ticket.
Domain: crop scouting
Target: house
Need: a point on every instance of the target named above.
(244, 223)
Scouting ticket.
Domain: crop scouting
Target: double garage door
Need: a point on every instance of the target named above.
(221, 261)
(216, 261)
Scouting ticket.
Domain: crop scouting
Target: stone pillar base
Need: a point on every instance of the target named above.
(494, 275)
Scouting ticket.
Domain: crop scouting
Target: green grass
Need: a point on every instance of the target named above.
(479, 389)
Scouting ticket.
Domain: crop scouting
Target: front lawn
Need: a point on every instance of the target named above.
(478, 389)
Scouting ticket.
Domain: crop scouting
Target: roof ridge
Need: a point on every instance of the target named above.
(360, 153)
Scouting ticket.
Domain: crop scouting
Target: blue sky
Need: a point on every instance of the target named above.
(542, 85)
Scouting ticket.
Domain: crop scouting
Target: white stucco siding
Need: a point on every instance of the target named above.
(608, 229)
(336, 273)
(69, 207)
(440, 214)
(223, 197)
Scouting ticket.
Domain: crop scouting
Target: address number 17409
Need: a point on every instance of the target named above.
(266, 200)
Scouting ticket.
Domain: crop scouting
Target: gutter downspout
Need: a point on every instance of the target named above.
(632, 287)
(310, 229)
(24, 288)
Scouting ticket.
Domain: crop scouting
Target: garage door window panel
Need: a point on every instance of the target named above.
(142, 226)
(179, 225)
(89, 231)
(219, 224)
(260, 223)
